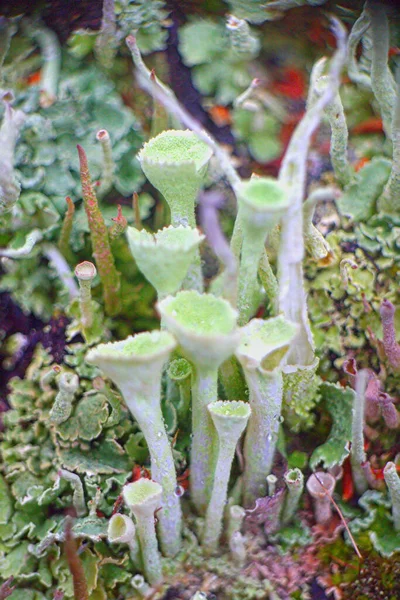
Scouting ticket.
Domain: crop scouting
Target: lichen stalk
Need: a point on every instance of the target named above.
(203, 448)
(389, 202)
(78, 497)
(230, 419)
(66, 228)
(358, 457)
(390, 345)
(136, 365)
(85, 273)
(292, 297)
(51, 54)
(107, 41)
(354, 72)
(265, 397)
(101, 246)
(10, 188)
(68, 384)
(339, 141)
(119, 226)
(294, 480)
(108, 166)
(144, 508)
(146, 409)
(315, 243)
(381, 78)
(320, 486)
(249, 290)
(392, 481)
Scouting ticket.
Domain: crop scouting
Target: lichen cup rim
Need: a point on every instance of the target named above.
(118, 350)
(199, 162)
(164, 307)
(164, 238)
(143, 495)
(265, 203)
(259, 341)
(115, 533)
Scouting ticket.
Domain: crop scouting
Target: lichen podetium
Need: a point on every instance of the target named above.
(101, 245)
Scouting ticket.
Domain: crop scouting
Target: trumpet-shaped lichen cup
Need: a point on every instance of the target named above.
(230, 420)
(261, 353)
(135, 365)
(262, 203)
(205, 327)
(144, 497)
(166, 256)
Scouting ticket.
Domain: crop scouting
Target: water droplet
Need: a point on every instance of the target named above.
(159, 434)
(179, 491)
(281, 419)
(269, 437)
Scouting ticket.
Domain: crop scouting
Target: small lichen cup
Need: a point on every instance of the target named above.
(144, 497)
(261, 353)
(122, 530)
(205, 327)
(262, 203)
(230, 420)
(166, 256)
(135, 365)
(320, 486)
(175, 162)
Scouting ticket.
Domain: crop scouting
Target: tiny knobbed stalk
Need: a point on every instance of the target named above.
(262, 203)
(51, 55)
(334, 111)
(320, 486)
(315, 243)
(135, 365)
(391, 346)
(392, 481)
(230, 420)
(101, 245)
(68, 384)
(389, 202)
(140, 587)
(10, 187)
(205, 327)
(294, 480)
(358, 457)
(293, 174)
(175, 162)
(85, 272)
(382, 81)
(243, 43)
(262, 351)
(108, 166)
(78, 496)
(143, 498)
(180, 371)
(165, 257)
(122, 530)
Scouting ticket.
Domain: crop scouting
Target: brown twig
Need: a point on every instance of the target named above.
(75, 564)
